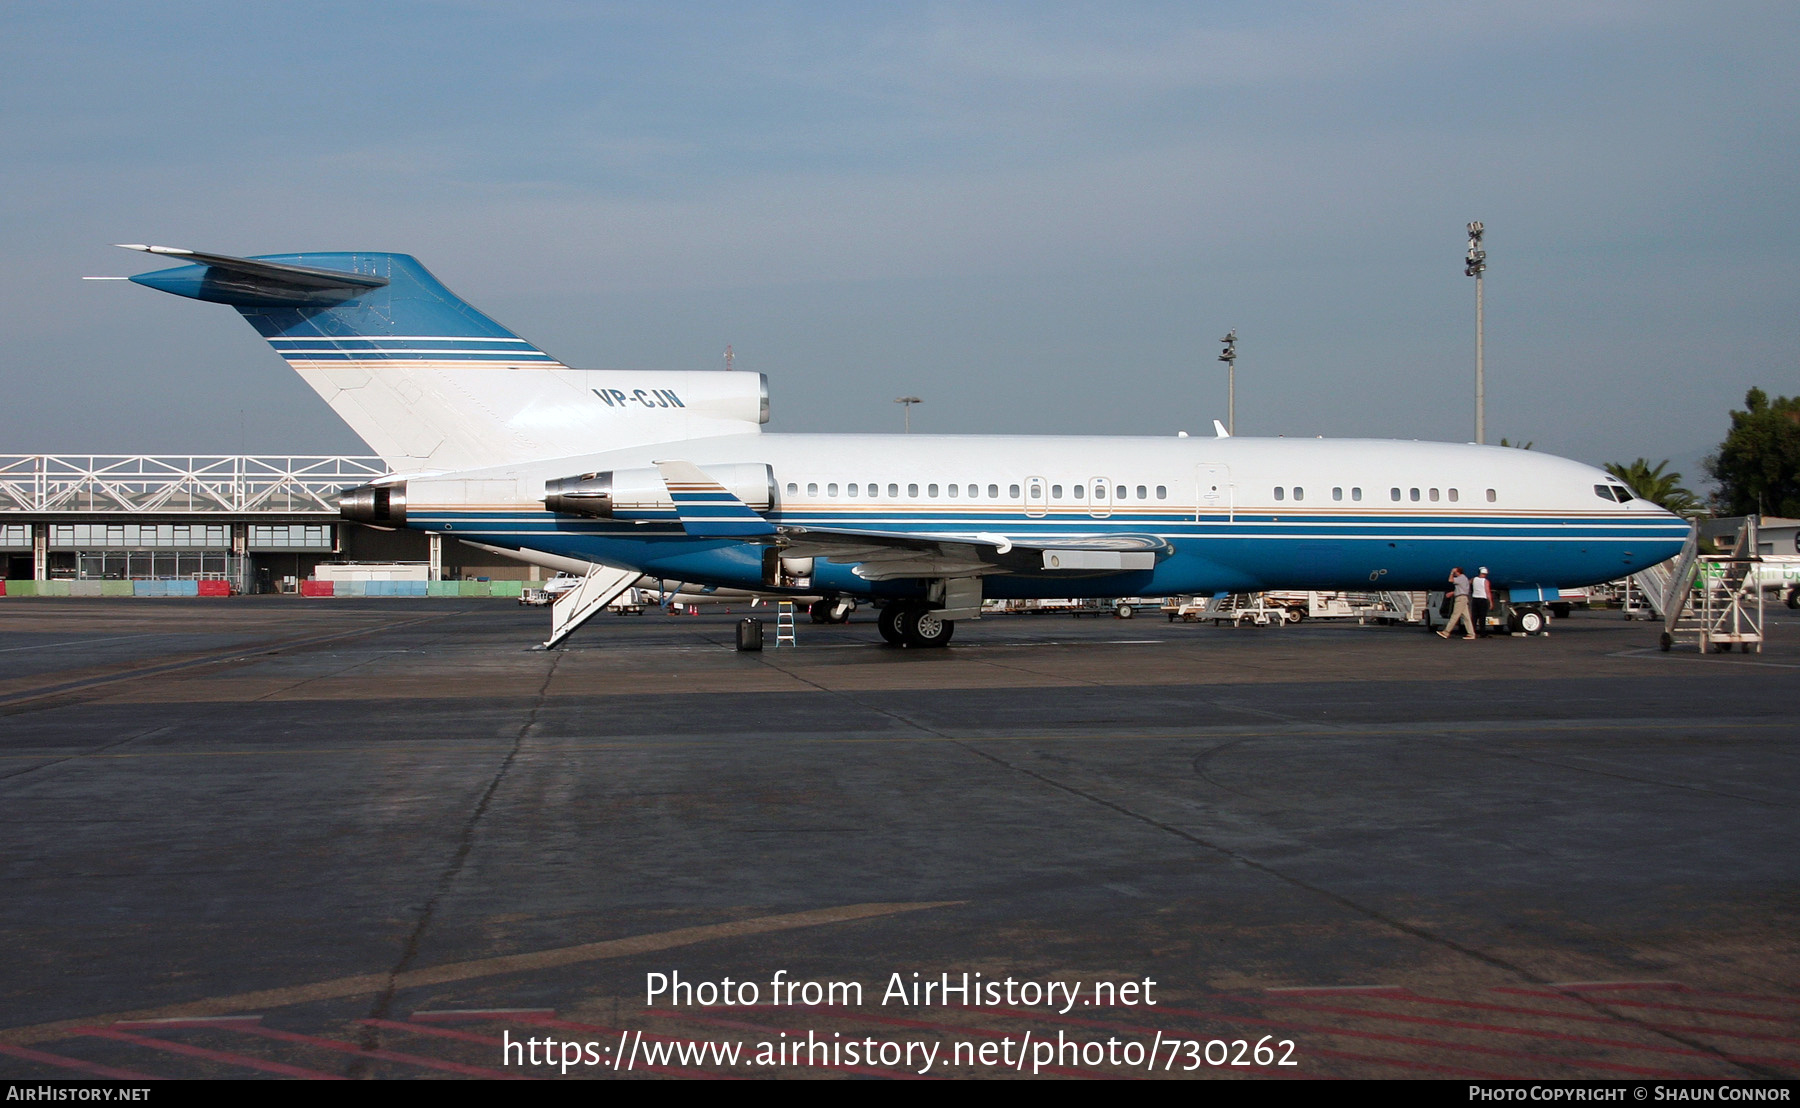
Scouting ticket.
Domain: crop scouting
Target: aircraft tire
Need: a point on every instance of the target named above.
(924, 627)
(838, 610)
(819, 611)
(889, 621)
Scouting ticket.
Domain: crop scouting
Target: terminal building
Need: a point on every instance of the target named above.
(258, 523)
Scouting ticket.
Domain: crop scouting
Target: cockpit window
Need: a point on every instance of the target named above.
(1613, 492)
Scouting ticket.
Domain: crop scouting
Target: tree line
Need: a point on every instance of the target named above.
(1757, 467)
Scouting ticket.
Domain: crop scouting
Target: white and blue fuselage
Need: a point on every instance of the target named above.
(669, 475)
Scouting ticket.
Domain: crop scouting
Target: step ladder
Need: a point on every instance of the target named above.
(784, 624)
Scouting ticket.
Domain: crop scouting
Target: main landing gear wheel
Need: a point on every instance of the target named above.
(889, 620)
(924, 627)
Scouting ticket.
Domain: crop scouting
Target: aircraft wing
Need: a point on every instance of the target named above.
(881, 555)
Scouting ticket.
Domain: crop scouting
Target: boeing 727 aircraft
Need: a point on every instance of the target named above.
(664, 474)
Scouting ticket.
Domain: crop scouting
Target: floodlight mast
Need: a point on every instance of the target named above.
(1229, 357)
(1474, 265)
(906, 403)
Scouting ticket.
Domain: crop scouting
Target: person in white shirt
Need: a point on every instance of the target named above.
(1481, 600)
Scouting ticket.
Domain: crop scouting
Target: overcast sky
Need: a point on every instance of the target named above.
(1038, 217)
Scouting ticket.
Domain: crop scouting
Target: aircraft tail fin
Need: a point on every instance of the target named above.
(429, 382)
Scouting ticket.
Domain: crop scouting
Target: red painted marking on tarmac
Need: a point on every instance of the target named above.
(343, 1047)
(435, 1032)
(1378, 1036)
(764, 1029)
(1526, 1032)
(1728, 1012)
(1610, 1021)
(76, 1064)
(1760, 997)
(227, 1057)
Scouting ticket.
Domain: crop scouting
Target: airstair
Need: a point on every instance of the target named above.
(1710, 600)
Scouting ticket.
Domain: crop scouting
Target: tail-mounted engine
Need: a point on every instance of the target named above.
(641, 494)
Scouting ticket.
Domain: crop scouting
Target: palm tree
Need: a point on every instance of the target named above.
(1652, 484)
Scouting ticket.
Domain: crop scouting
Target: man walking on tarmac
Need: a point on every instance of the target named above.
(1481, 601)
(1459, 586)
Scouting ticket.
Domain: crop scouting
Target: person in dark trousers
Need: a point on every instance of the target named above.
(1481, 601)
(1459, 613)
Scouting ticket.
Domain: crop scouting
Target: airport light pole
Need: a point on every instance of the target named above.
(906, 403)
(1474, 266)
(1229, 357)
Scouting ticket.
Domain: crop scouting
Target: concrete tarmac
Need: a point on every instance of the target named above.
(385, 838)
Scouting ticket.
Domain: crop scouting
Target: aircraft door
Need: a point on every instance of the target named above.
(1037, 498)
(1214, 493)
(1100, 497)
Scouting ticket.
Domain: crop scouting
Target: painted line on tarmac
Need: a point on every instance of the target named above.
(234, 654)
(568, 746)
(368, 984)
(1709, 659)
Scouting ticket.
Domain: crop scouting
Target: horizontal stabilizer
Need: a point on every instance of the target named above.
(252, 282)
(706, 508)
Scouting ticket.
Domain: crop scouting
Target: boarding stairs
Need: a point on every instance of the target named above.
(1254, 607)
(1711, 600)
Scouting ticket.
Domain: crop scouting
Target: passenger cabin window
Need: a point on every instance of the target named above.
(952, 492)
(1396, 493)
(1162, 492)
(1491, 497)
(1356, 494)
(1413, 494)
(1280, 493)
(1454, 496)
(1056, 492)
(1337, 493)
(1434, 495)
(1036, 490)
(1081, 492)
(831, 489)
(1299, 493)
(1141, 494)
(893, 491)
(852, 488)
(931, 491)
(912, 491)
(793, 489)
(1012, 491)
(812, 488)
